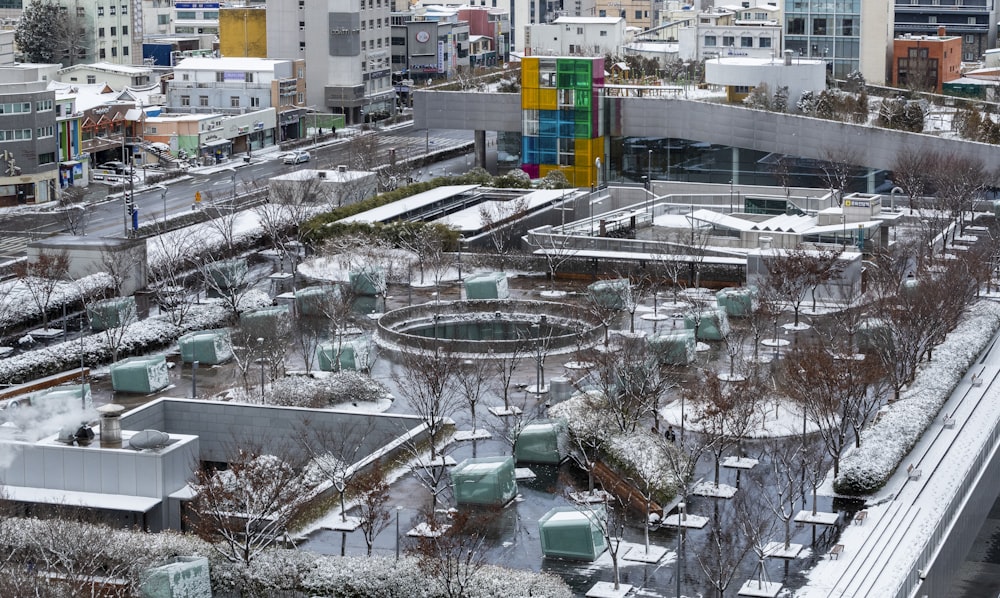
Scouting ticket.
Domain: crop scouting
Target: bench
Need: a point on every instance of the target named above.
(977, 380)
(860, 517)
(912, 472)
(949, 421)
(836, 550)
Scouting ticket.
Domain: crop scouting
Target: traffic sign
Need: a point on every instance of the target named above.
(197, 196)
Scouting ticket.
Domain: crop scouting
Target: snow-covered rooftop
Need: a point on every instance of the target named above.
(407, 204)
(227, 64)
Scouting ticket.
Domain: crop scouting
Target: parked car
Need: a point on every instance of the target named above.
(115, 166)
(295, 157)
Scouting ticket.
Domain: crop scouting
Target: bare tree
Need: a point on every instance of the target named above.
(779, 485)
(454, 557)
(838, 169)
(227, 278)
(168, 273)
(726, 546)
(557, 249)
(629, 383)
(431, 390)
(73, 210)
(958, 182)
(474, 378)
(42, 277)
(834, 393)
(790, 273)
(373, 499)
(911, 172)
(248, 507)
(505, 366)
(726, 411)
(498, 218)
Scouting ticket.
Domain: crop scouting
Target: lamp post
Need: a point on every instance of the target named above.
(461, 239)
(261, 341)
(194, 379)
(398, 509)
(649, 170)
(539, 356)
(83, 374)
(591, 204)
(730, 196)
(597, 172)
(163, 198)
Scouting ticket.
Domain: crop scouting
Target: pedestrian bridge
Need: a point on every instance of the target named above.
(710, 122)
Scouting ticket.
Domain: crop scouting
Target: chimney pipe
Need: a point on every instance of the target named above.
(941, 31)
(788, 57)
(111, 425)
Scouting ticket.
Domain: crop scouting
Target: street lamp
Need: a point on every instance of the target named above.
(398, 509)
(597, 172)
(261, 341)
(461, 239)
(649, 170)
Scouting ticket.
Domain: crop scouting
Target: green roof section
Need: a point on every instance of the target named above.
(713, 325)
(485, 481)
(542, 442)
(573, 533)
(140, 375)
(208, 347)
(269, 323)
(736, 301)
(315, 301)
(111, 313)
(487, 285)
(674, 348)
(64, 398)
(356, 354)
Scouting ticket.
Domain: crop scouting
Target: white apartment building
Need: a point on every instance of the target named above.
(108, 28)
(117, 76)
(747, 31)
(576, 36)
(347, 49)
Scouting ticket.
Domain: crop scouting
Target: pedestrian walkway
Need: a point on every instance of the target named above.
(888, 552)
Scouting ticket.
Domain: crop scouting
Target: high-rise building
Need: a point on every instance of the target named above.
(28, 143)
(347, 50)
(243, 31)
(974, 20)
(850, 35)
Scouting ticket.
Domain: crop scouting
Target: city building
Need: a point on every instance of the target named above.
(975, 21)
(640, 14)
(240, 86)
(117, 76)
(6, 47)
(28, 143)
(576, 36)
(851, 35)
(740, 75)
(562, 117)
(107, 27)
(492, 24)
(27, 72)
(211, 138)
(753, 31)
(195, 18)
(243, 31)
(346, 46)
(429, 42)
(926, 62)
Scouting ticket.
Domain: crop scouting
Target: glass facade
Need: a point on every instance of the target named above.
(826, 29)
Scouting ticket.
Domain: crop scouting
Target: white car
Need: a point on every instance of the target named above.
(295, 157)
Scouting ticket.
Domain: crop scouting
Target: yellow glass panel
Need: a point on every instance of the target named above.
(547, 99)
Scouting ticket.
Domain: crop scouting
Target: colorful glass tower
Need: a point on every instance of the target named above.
(562, 117)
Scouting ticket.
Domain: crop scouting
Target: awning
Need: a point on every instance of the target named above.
(218, 142)
(72, 498)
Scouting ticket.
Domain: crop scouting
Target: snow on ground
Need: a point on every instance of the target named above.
(778, 418)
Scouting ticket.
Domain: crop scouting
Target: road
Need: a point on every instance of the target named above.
(107, 217)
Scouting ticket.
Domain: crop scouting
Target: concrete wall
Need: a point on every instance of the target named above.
(87, 256)
(713, 123)
(276, 429)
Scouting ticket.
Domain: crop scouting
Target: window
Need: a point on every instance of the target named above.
(971, 21)
(124, 9)
(970, 39)
(124, 29)
(728, 41)
(185, 100)
(15, 108)
(932, 19)
(100, 32)
(302, 73)
(114, 50)
(255, 102)
(100, 11)
(91, 79)
(819, 26)
(847, 26)
(710, 41)
(15, 135)
(220, 76)
(797, 26)
(81, 11)
(765, 42)
(100, 54)
(203, 100)
(234, 101)
(248, 77)
(124, 50)
(113, 10)
(602, 13)
(43, 105)
(114, 31)
(47, 158)
(162, 19)
(746, 42)
(302, 98)
(638, 14)
(185, 15)
(43, 132)
(604, 33)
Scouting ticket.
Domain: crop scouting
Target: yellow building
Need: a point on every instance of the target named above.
(243, 32)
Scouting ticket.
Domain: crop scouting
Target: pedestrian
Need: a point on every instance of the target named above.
(669, 433)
